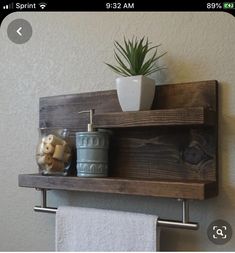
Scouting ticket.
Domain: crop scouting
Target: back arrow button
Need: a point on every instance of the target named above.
(18, 31)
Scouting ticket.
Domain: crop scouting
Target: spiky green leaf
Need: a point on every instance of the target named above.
(133, 57)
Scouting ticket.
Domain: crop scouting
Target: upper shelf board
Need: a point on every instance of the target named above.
(174, 104)
(165, 117)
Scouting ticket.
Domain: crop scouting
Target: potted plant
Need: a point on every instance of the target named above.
(134, 63)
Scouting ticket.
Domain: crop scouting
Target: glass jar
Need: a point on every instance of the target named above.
(53, 153)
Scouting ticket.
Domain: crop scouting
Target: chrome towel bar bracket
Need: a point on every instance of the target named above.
(184, 224)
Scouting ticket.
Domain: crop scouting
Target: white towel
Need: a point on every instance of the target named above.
(89, 229)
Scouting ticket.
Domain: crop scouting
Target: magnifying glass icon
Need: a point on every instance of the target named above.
(219, 232)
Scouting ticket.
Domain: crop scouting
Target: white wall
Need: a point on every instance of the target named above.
(66, 55)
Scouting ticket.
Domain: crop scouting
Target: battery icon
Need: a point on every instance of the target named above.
(229, 5)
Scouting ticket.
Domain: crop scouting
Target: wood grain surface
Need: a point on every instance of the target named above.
(155, 188)
(189, 116)
(177, 140)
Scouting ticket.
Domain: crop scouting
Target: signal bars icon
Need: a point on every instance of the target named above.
(8, 6)
(42, 5)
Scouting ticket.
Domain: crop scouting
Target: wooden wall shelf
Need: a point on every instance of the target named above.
(146, 156)
(156, 188)
(191, 116)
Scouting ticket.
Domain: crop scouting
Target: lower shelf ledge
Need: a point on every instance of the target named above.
(193, 189)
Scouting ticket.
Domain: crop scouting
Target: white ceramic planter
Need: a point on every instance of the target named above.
(135, 93)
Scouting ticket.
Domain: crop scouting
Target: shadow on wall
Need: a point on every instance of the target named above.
(226, 140)
(172, 240)
(226, 145)
(183, 67)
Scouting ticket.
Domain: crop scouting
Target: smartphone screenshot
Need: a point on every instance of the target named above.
(117, 126)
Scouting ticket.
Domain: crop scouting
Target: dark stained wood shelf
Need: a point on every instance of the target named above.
(164, 117)
(144, 158)
(193, 189)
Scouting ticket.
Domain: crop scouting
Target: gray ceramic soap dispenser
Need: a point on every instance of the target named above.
(92, 151)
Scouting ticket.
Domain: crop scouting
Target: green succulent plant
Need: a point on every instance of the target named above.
(133, 58)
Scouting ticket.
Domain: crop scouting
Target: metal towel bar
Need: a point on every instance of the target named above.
(184, 224)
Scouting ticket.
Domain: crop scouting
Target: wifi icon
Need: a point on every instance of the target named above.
(42, 5)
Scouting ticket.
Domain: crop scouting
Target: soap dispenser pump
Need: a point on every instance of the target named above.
(90, 124)
(92, 151)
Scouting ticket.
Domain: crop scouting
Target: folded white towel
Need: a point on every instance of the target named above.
(89, 229)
